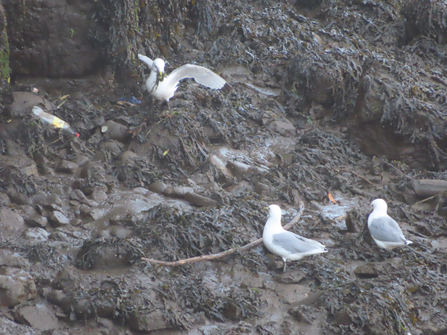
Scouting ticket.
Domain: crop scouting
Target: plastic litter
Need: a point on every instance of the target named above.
(53, 120)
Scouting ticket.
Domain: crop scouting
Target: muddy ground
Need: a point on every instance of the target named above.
(323, 97)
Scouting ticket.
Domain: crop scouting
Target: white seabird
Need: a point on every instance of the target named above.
(286, 244)
(384, 229)
(162, 86)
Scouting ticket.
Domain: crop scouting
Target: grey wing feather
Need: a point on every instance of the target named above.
(147, 60)
(294, 243)
(386, 229)
(201, 74)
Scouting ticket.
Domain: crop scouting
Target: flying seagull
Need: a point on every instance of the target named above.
(162, 86)
(384, 229)
(286, 244)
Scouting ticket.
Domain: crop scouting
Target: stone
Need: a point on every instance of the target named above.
(38, 317)
(200, 200)
(117, 131)
(36, 220)
(368, 270)
(127, 155)
(158, 187)
(58, 219)
(238, 169)
(67, 167)
(10, 222)
(147, 322)
(99, 196)
(36, 235)
(16, 286)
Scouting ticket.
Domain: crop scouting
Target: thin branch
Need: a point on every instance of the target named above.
(229, 251)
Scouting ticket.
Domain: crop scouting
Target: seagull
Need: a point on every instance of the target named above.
(284, 243)
(162, 86)
(384, 229)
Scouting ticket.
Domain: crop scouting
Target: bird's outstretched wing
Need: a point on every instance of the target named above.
(201, 74)
(147, 60)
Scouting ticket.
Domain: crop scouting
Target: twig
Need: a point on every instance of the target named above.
(429, 198)
(399, 171)
(358, 175)
(227, 252)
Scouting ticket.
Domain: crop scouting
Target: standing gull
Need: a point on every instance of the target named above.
(384, 229)
(286, 244)
(162, 86)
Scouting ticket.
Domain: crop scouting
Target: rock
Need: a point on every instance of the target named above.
(233, 311)
(119, 231)
(4, 199)
(238, 169)
(25, 101)
(53, 199)
(16, 286)
(10, 259)
(36, 235)
(11, 327)
(178, 191)
(10, 222)
(291, 277)
(37, 220)
(284, 127)
(58, 219)
(81, 160)
(200, 200)
(112, 146)
(99, 196)
(147, 322)
(117, 131)
(93, 171)
(38, 317)
(18, 198)
(219, 164)
(368, 270)
(263, 189)
(38, 31)
(21, 162)
(67, 167)
(158, 187)
(127, 155)
(425, 188)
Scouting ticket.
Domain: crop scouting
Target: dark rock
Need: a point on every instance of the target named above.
(127, 156)
(35, 28)
(147, 322)
(68, 167)
(112, 146)
(425, 188)
(233, 311)
(58, 219)
(200, 200)
(368, 270)
(18, 198)
(117, 131)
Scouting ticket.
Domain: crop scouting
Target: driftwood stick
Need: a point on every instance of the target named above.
(227, 252)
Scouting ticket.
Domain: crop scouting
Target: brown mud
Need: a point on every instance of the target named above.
(324, 97)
